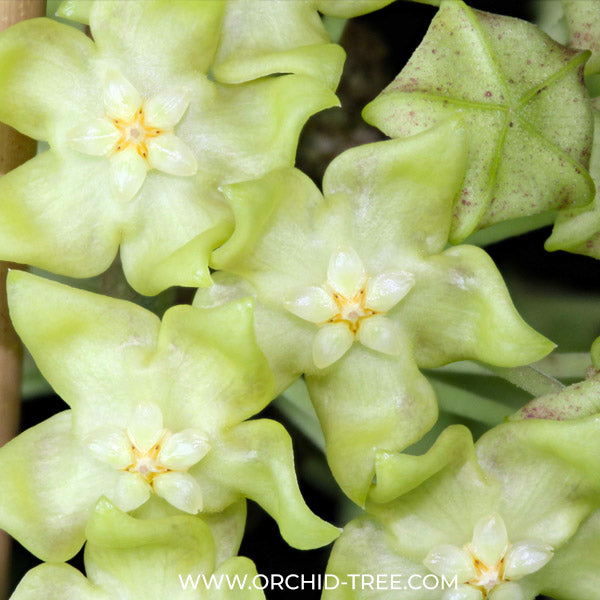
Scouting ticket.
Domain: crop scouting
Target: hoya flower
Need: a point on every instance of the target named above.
(157, 419)
(134, 559)
(292, 39)
(523, 101)
(140, 139)
(355, 289)
(506, 519)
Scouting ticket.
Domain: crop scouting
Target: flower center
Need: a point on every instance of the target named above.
(488, 576)
(351, 311)
(147, 464)
(135, 133)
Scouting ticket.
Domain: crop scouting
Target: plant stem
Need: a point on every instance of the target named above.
(15, 149)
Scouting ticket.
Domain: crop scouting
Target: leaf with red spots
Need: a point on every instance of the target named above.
(522, 98)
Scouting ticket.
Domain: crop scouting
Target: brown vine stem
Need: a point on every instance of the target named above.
(15, 149)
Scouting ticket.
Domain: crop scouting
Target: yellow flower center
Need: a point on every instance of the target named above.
(134, 133)
(352, 311)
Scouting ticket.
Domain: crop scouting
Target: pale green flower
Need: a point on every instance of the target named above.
(157, 420)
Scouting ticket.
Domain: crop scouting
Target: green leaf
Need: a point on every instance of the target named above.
(583, 23)
(577, 230)
(75, 10)
(523, 102)
(575, 401)
(255, 459)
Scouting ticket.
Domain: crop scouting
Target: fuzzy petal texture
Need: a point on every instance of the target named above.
(255, 459)
(583, 23)
(460, 308)
(59, 81)
(523, 101)
(373, 217)
(49, 200)
(366, 550)
(51, 581)
(175, 38)
(574, 572)
(138, 559)
(50, 485)
(361, 412)
(105, 356)
(155, 51)
(292, 39)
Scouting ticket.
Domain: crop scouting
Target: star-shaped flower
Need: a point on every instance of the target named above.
(157, 418)
(141, 139)
(511, 517)
(366, 263)
(140, 559)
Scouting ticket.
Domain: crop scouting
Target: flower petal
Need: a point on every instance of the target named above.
(381, 334)
(360, 412)
(184, 449)
(111, 446)
(130, 492)
(165, 109)
(58, 215)
(47, 582)
(145, 426)
(50, 483)
(449, 561)
(490, 539)
(128, 172)
(573, 572)
(82, 342)
(292, 40)
(346, 273)
(364, 548)
(462, 592)
(255, 459)
(525, 558)
(141, 558)
(394, 200)
(507, 591)
(460, 308)
(121, 99)
(176, 38)
(170, 154)
(331, 343)
(179, 489)
(47, 78)
(96, 138)
(158, 253)
(387, 289)
(312, 304)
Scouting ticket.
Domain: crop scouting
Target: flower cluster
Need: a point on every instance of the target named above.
(171, 134)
